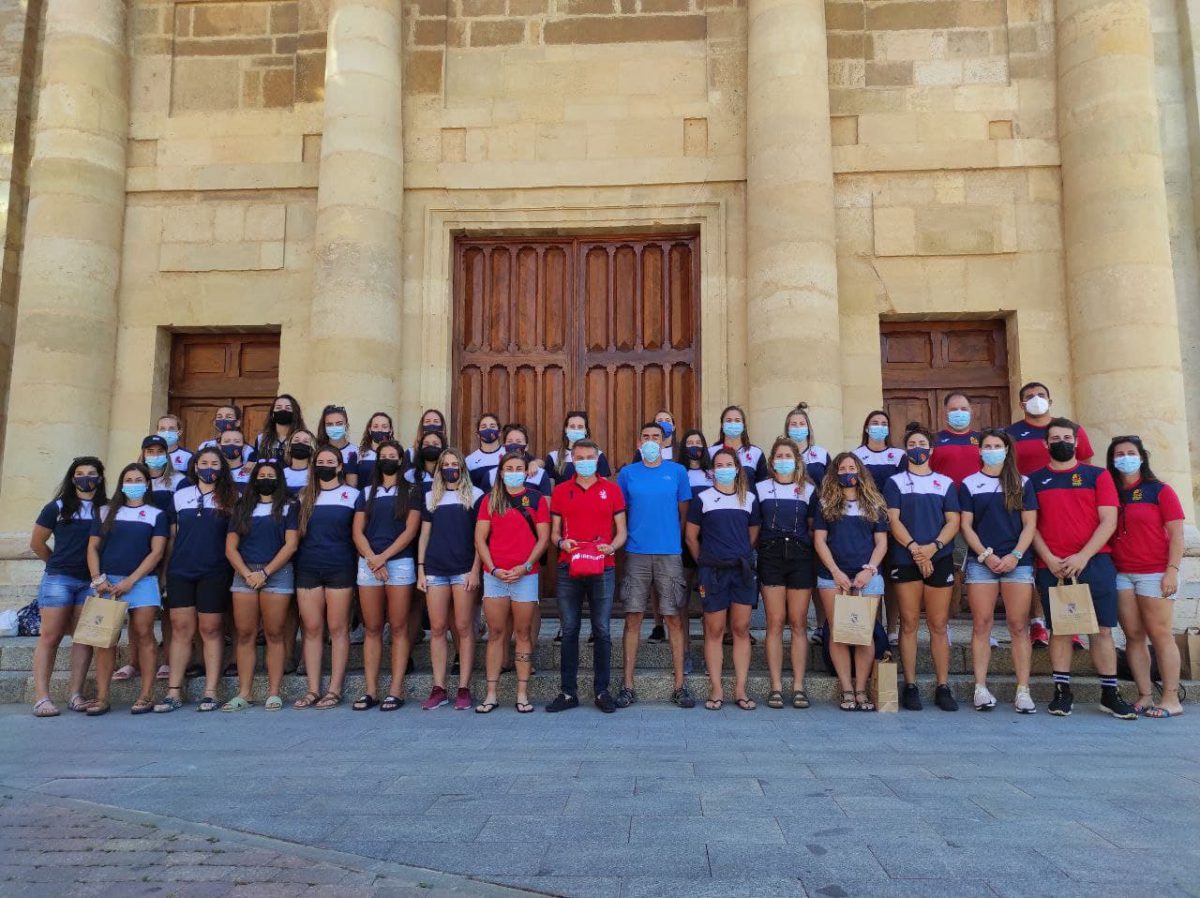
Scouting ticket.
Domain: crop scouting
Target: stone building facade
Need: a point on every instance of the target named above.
(303, 168)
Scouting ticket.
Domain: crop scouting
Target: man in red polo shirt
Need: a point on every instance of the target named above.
(587, 517)
(1029, 434)
(956, 449)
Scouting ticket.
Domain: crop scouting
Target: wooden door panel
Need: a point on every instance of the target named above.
(211, 370)
(906, 406)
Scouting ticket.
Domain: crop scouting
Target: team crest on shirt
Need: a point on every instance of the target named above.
(345, 495)
(525, 501)
(891, 456)
(1137, 495)
(974, 441)
(142, 513)
(937, 482)
(1076, 480)
(603, 494)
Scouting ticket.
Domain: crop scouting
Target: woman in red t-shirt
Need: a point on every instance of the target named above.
(1147, 549)
(511, 535)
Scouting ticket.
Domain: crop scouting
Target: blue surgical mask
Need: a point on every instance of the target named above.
(848, 479)
(878, 432)
(156, 462)
(171, 436)
(586, 467)
(651, 451)
(133, 491)
(918, 455)
(799, 434)
(733, 429)
(785, 467)
(335, 431)
(514, 480)
(993, 457)
(958, 419)
(725, 476)
(574, 435)
(668, 429)
(1128, 464)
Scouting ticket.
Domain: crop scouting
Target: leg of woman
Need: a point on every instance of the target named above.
(1137, 650)
(274, 608)
(739, 624)
(312, 618)
(864, 661)
(775, 600)
(54, 625)
(464, 633)
(164, 618)
(982, 599)
(212, 635)
(535, 624)
(891, 609)
(106, 660)
(141, 622)
(245, 624)
(291, 628)
(370, 603)
(839, 652)
(183, 630)
(437, 598)
(495, 611)
(937, 618)
(908, 598)
(523, 614)
(1158, 617)
(400, 609)
(337, 616)
(797, 616)
(1018, 603)
(81, 655)
(135, 651)
(714, 653)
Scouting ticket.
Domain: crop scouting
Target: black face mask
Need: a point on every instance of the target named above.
(451, 475)
(430, 453)
(380, 435)
(514, 447)
(489, 435)
(432, 428)
(85, 483)
(694, 452)
(301, 451)
(265, 487)
(231, 451)
(389, 465)
(1062, 451)
(283, 416)
(326, 473)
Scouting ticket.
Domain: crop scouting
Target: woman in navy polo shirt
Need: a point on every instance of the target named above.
(379, 428)
(736, 438)
(850, 526)
(65, 585)
(232, 444)
(924, 512)
(298, 459)
(722, 528)
(999, 519)
(1147, 550)
(262, 538)
(694, 456)
(511, 535)
(785, 565)
(126, 544)
(448, 573)
(387, 520)
(558, 461)
(285, 419)
(326, 562)
(882, 460)
(334, 425)
(487, 456)
(798, 428)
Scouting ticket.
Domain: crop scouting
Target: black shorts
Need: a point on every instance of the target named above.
(785, 562)
(208, 595)
(942, 575)
(337, 578)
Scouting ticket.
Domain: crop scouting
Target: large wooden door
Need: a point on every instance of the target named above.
(211, 370)
(924, 361)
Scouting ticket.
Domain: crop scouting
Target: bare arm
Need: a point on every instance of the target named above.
(38, 542)
(1170, 584)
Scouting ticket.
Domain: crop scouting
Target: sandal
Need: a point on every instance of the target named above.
(78, 703)
(746, 704)
(128, 672)
(142, 706)
(329, 701)
(303, 704)
(168, 704)
(848, 703)
(1159, 713)
(391, 703)
(273, 703)
(43, 707)
(775, 699)
(208, 703)
(364, 702)
(523, 707)
(237, 703)
(164, 672)
(714, 704)
(800, 699)
(865, 703)
(486, 707)
(98, 710)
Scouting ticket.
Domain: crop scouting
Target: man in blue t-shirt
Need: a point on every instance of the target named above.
(657, 493)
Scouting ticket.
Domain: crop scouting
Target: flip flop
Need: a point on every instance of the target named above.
(128, 672)
(775, 699)
(329, 701)
(486, 707)
(168, 704)
(79, 704)
(98, 710)
(309, 699)
(142, 706)
(208, 703)
(800, 699)
(523, 707)
(746, 704)
(1157, 713)
(164, 672)
(714, 704)
(43, 707)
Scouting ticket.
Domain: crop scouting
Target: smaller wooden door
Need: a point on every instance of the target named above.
(211, 370)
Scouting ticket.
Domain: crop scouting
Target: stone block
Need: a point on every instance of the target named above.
(497, 33)
(279, 88)
(229, 221)
(187, 224)
(653, 6)
(141, 152)
(910, 14)
(423, 71)
(895, 231)
(454, 144)
(226, 46)
(843, 129)
(310, 77)
(841, 16)
(285, 18)
(586, 7)
(200, 84)
(429, 32)
(986, 13)
(968, 43)
(1001, 129)
(231, 19)
(695, 137)
(938, 72)
(889, 74)
(624, 29)
(841, 45)
(265, 222)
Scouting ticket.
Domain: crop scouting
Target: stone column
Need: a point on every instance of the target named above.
(791, 261)
(62, 378)
(1120, 291)
(356, 305)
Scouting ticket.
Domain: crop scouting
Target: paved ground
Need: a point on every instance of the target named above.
(652, 801)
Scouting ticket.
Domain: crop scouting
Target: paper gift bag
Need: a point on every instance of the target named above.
(854, 619)
(1071, 609)
(100, 622)
(884, 685)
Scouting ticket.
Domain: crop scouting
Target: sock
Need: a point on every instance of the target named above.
(1108, 682)
(1062, 678)
(1041, 621)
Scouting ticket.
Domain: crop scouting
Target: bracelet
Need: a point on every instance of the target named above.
(1017, 554)
(871, 568)
(1174, 566)
(911, 543)
(420, 564)
(985, 555)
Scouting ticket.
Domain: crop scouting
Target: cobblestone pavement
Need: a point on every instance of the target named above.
(652, 801)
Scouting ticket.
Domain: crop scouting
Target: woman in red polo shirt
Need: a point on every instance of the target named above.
(1147, 549)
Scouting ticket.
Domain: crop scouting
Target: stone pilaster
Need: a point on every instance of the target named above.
(791, 262)
(62, 376)
(356, 305)
(1120, 289)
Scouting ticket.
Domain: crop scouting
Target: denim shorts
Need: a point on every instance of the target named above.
(524, 590)
(62, 591)
(283, 581)
(1149, 585)
(400, 572)
(981, 573)
(454, 580)
(144, 594)
(874, 588)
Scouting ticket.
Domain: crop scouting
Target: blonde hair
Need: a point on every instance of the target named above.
(464, 489)
(833, 498)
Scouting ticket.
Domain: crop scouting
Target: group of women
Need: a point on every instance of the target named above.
(265, 534)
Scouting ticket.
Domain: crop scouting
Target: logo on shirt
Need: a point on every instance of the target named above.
(1076, 480)
(937, 482)
(1023, 434)
(525, 501)
(1047, 481)
(974, 441)
(891, 456)
(1137, 495)
(345, 495)
(142, 513)
(603, 494)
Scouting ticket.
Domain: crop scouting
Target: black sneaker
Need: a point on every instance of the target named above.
(563, 702)
(626, 697)
(683, 698)
(944, 698)
(1063, 701)
(1111, 701)
(911, 699)
(605, 702)
(657, 635)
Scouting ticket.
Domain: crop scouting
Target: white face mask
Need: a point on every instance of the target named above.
(1037, 405)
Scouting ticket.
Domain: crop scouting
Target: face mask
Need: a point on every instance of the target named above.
(451, 475)
(326, 473)
(283, 416)
(489, 435)
(785, 467)
(335, 431)
(156, 462)
(668, 429)
(431, 453)
(1128, 464)
(1062, 451)
(848, 479)
(514, 480)
(265, 487)
(432, 428)
(514, 447)
(725, 476)
(207, 475)
(232, 451)
(958, 419)
(380, 435)
(799, 434)
(733, 429)
(877, 432)
(389, 466)
(695, 453)
(86, 482)
(993, 457)
(170, 436)
(224, 424)
(301, 451)
(650, 451)
(574, 435)
(586, 467)
(1037, 405)
(918, 455)
(133, 491)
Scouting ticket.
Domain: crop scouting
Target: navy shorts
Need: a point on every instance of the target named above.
(1101, 577)
(722, 587)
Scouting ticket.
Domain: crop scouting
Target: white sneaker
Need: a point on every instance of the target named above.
(984, 700)
(1023, 704)
(993, 643)
(357, 635)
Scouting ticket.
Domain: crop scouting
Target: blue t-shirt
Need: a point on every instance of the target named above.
(541, 482)
(479, 463)
(568, 472)
(450, 549)
(328, 543)
(816, 463)
(162, 492)
(296, 478)
(699, 480)
(996, 526)
(199, 547)
(127, 543)
(381, 526)
(652, 497)
(851, 538)
(883, 464)
(923, 500)
(724, 523)
(785, 511)
(267, 533)
(753, 461)
(68, 556)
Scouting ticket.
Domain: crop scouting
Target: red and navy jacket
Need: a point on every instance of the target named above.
(1069, 504)
(1140, 544)
(1032, 454)
(956, 454)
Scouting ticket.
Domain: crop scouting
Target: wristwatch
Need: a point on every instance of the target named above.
(940, 545)
(529, 567)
